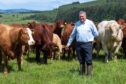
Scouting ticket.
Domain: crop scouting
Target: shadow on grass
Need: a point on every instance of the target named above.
(30, 59)
(99, 58)
(10, 69)
(74, 71)
(33, 60)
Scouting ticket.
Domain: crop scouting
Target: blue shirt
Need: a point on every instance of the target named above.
(84, 32)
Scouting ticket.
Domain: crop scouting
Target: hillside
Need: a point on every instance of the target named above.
(16, 11)
(96, 10)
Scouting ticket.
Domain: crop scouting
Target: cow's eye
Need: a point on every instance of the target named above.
(25, 32)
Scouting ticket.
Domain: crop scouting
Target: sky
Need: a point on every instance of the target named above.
(35, 4)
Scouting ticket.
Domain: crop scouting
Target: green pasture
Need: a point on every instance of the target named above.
(64, 72)
(15, 18)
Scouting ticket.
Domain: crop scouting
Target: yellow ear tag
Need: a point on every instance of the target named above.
(33, 32)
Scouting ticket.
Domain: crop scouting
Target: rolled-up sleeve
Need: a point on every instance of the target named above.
(94, 30)
(72, 37)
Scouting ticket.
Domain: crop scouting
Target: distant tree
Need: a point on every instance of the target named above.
(13, 15)
(76, 2)
(1, 16)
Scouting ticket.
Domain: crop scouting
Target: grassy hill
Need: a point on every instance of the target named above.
(15, 18)
(96, 10)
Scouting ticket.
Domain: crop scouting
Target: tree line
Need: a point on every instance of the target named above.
(96, 10)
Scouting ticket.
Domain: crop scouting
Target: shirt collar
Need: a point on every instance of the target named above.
(84, 22)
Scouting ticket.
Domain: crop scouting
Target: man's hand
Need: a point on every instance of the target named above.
(67, 48)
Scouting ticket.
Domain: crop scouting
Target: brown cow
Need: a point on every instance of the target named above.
(65, 36)
(11, 46)
(122, 22)
(54, 28)
(43, 37)
(124, 39)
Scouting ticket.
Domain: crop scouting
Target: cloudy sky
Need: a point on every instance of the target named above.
(35, 4)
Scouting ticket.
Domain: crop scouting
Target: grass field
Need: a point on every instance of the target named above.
(14, 18)
(64, 72)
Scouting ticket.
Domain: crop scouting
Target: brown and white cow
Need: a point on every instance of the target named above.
(12, 40)
(110, 37)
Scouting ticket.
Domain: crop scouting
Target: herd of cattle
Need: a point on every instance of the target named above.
(15, 39)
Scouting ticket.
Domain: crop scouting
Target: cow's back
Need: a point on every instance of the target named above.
(4, 34)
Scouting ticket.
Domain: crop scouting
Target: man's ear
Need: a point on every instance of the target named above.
(65, 23)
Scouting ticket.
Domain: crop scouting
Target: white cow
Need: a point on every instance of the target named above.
(110, 37)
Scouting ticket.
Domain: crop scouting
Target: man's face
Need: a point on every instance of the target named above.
(82, 17)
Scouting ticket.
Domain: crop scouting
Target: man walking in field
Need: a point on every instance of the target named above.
(85, 32)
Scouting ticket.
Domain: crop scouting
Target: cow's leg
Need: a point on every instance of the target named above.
(19, 58)
(73, 49)
(124, 50)
(60, 52)
(64, 52)
(106, 53)
(59, 55)
(19, 54)
(69, 53)
(124, 53)
(106, 57)
(110, 54)
(10, 54)
(5, 64)
(116, 51)
(52, 55)
(98, 49)
(0, 57)
(45, 57)
(38, 54)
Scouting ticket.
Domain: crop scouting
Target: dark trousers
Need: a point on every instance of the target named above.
(84, 52)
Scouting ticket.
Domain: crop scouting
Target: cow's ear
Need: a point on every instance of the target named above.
(21, 31)
(29, 24)
(72, 23)
(121, 27)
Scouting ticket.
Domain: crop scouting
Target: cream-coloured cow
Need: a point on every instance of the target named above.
(57, 41)
(110, 37)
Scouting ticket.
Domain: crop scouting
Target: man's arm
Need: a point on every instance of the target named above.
(94, 30)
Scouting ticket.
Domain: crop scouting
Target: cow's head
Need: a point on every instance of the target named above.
(60, 23)
(26, 36)
(120, 21)
(115, 28)
(50, 46)
(66, 32)
(32, 25)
